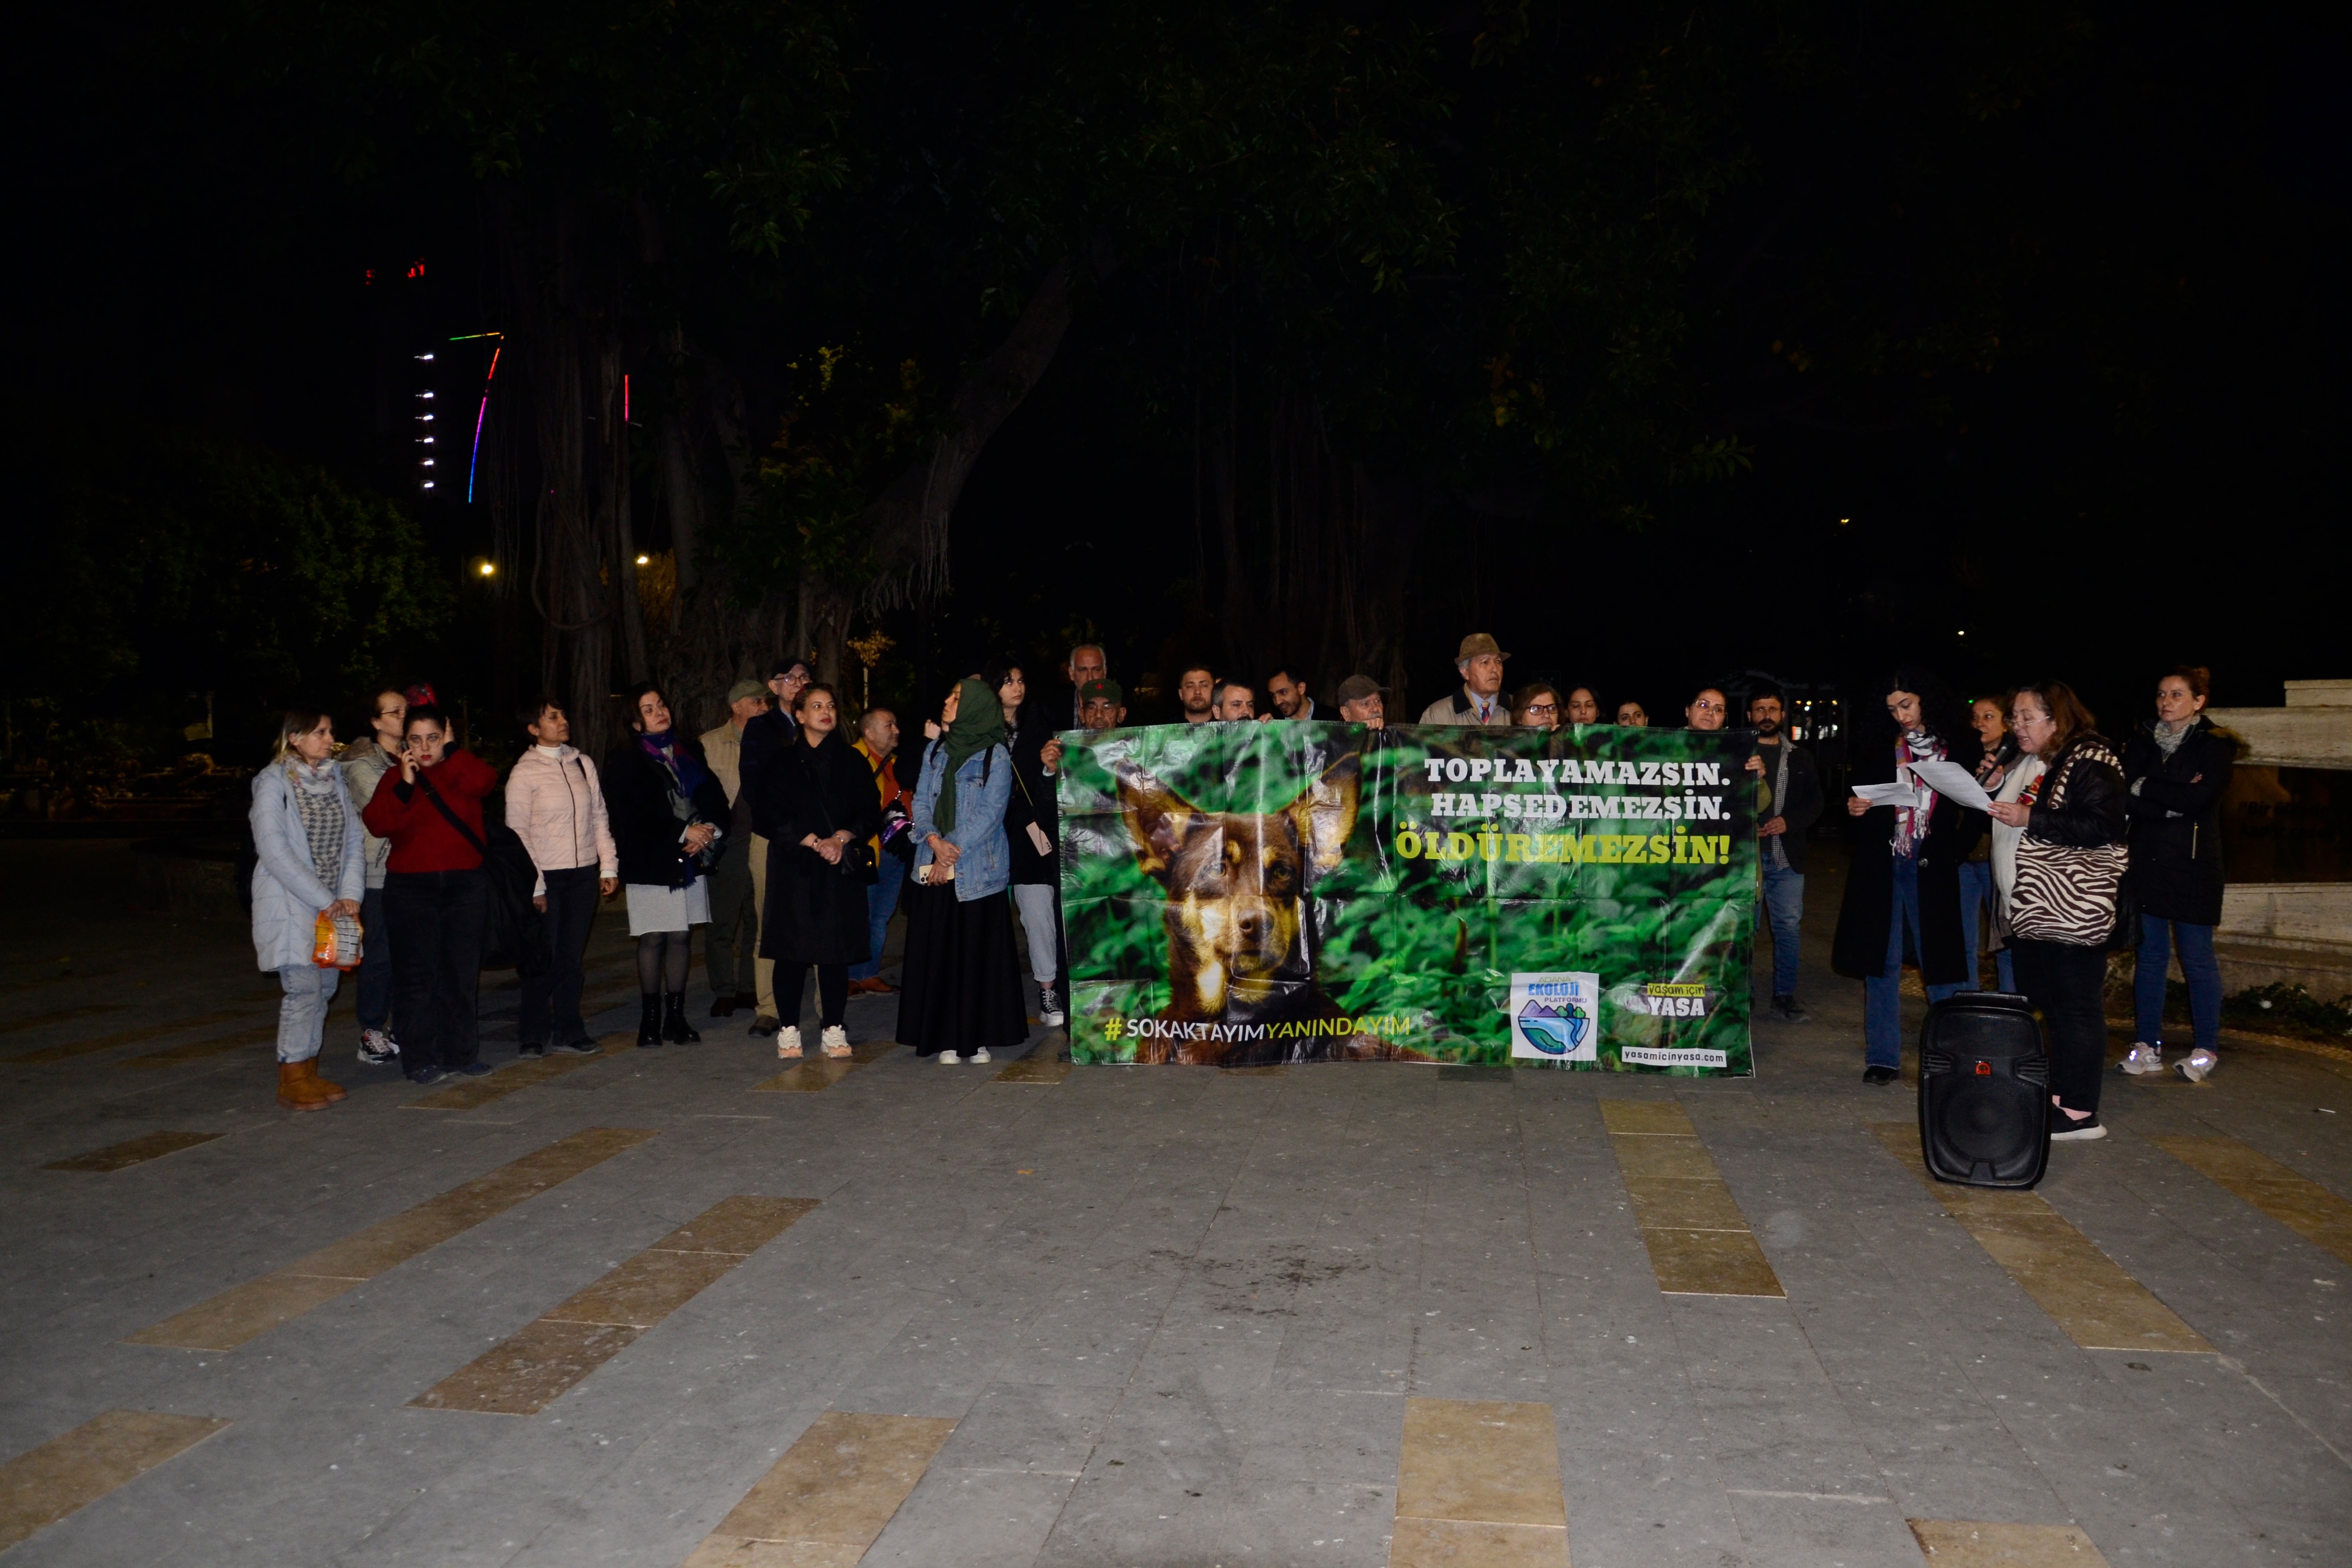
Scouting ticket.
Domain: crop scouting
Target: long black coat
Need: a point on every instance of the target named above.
(816, 911)
(1033, 801)
(645, 829)
(2176, 861)
(1868, 910)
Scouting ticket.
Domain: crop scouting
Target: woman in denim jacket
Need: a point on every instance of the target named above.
(962, 991)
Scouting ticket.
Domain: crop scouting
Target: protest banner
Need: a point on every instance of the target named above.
(1238, 894)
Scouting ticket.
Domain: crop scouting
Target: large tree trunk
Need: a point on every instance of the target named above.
(910, 519)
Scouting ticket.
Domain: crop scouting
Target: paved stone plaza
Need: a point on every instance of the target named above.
(656, 1308)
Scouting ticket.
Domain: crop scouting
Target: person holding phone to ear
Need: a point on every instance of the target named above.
(435, 895)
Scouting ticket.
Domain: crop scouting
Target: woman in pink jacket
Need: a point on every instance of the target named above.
(556, 808)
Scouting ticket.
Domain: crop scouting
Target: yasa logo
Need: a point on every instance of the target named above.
(1554, 1026)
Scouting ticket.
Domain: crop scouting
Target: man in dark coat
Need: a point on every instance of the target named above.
(1789, 793)
(1913, 892)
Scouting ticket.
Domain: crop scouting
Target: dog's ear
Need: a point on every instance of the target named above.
(1158, 818)
(1325, 813)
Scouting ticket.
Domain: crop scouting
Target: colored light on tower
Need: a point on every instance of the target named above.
(475, 462)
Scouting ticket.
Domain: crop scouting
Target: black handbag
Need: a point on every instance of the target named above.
(512, 936)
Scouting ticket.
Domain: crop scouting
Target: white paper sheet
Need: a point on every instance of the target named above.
(1886, 793)
(1951, 779)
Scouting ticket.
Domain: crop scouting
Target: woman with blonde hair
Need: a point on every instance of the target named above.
(306, 834)
(2061, 877)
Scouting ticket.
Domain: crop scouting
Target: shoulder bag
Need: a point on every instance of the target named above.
(512, 935)
(2065, 892)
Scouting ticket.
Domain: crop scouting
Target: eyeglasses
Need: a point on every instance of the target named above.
(1543, 707)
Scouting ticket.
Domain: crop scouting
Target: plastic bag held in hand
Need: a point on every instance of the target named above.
(335, 944)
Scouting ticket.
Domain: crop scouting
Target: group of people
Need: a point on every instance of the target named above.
(795, 844)
(2082, 852)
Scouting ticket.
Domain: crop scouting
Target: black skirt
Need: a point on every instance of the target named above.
(960, 989)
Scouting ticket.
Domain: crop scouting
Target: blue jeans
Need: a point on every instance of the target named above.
(1976, 893)
(1882, 994)
(375, 963)
(1783, 908)
(2156, 938)
(881, 901)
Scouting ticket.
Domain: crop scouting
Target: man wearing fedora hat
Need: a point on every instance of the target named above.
(1479, 699)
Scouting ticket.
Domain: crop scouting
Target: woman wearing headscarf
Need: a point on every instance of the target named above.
(1904, 879)
(819, 796)
(306, 832)
(2177, 769)
(2061, 906)
(962, 993)
(666, 806)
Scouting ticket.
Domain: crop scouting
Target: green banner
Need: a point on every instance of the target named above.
(1237, 894)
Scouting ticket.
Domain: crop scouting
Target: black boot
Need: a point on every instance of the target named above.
(674, 1028)
(650, 1031)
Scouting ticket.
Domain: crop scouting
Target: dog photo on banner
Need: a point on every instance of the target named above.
(1242, 894)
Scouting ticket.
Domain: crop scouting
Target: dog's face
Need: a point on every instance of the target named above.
(1236, 883)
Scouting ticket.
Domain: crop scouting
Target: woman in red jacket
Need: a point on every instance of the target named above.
(435, 895)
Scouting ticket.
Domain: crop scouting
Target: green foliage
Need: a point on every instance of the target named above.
(849, 429)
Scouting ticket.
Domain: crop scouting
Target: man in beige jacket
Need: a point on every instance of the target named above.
(739, 976)
(1479, 699)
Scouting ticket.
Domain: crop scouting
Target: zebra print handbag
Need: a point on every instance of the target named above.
(2065, 892)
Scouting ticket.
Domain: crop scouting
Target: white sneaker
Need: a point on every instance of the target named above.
(2196, 1065)
(981, 1055)
(2142, 1060)
(949, 1058)
(788, 1042)
(1049, 1008)
(835, 1040)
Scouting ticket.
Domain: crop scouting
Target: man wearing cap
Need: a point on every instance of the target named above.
(1479, 699)
(1102, 705)
(1086, 662)
(765, 738)
(734, 898)
(1361, 702)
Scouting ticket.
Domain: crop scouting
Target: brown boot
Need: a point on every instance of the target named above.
(334, 1091)
(294, 1089)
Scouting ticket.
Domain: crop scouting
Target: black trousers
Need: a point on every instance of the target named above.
(832, 991)
(571, 911)
(436, 920)
(2067, 984)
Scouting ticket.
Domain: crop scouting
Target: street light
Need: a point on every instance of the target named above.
(644, 560)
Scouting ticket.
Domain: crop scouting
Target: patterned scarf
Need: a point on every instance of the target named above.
(1911, 821)
(318, 797)
(662, 747)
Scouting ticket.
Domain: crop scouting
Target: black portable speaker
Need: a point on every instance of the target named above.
(1984, 1092)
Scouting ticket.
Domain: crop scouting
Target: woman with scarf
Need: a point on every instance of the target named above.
(1032, 829)
(818, 802)
(666, 808)
(2177, 769)
(1989, 716)
(2062, 877)
(962, 993)
(307, 832)
(1904, 875)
